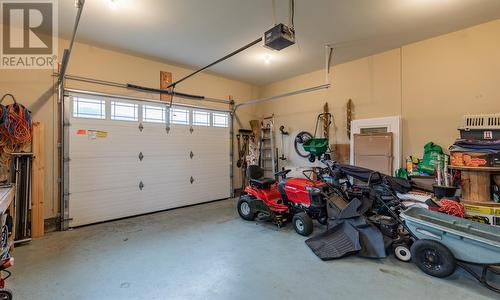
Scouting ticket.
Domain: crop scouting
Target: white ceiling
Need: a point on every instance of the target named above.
(196, 32)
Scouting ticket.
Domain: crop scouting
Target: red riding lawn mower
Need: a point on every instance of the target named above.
(298, 199)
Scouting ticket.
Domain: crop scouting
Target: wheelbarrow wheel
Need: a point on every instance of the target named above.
(433, 258)
(302, 224)
(312, 158)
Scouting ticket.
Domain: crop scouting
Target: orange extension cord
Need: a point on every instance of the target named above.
(15, 129)
(451, 207)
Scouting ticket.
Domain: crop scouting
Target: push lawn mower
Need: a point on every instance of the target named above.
(436, 242)
(377, 197)
(299, 199)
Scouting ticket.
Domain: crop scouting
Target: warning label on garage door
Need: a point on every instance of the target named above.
(92, 134)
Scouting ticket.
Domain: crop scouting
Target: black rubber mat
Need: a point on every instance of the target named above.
(336, 242)
(372, 242)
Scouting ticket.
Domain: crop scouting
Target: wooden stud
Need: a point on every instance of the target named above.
(165, 80)
(11, 211)
(38, 181)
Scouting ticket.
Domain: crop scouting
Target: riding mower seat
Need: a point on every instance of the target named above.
(257, 179)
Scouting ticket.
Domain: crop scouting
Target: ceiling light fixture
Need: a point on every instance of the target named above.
(113, 4)
(267, 59)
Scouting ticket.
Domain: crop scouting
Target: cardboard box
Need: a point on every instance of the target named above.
(474, 159)
(482, 214)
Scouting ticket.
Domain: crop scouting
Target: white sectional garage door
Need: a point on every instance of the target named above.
(133, 157)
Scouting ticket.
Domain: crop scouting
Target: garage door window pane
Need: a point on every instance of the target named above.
(89, 108)
(201, 118)
(220, 120)
(154, 114)
(179, 116)
(123, 111)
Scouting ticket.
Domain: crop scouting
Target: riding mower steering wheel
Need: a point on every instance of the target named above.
(282, 173)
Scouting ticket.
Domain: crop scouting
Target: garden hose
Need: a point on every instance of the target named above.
(300, 139)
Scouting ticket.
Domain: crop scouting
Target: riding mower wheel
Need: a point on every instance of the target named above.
(302, 224)
(5, 294)
(245, 209)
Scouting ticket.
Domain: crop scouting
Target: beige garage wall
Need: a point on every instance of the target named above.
(373, 83)
(430, 84)
(34, 89)
(447, 77)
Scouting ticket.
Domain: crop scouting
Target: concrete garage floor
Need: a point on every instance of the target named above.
(208, 252)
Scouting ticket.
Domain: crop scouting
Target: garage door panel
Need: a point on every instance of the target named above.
(204, 187)
(163, 196)
(85, 130)
(108, 146)
(168, 159)
(160, 148)
(199, 131)
(210, 149)
(105, 169)
(160, 129)
(211, 146)
(89, 207)
(165, 178)
(211, 166)
(173, 143)
(101, 174)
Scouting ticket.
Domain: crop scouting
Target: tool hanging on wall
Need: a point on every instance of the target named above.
(245, 135)
(238, 140)
(283, 132)
(349, 118)
(15, 129)
(255, 125)
(326, 121)
(243, 139)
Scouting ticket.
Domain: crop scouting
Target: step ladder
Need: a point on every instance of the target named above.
(267, 159)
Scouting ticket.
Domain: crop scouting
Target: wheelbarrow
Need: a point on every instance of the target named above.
(443, 242)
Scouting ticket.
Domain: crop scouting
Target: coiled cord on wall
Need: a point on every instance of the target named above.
(15, 128)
